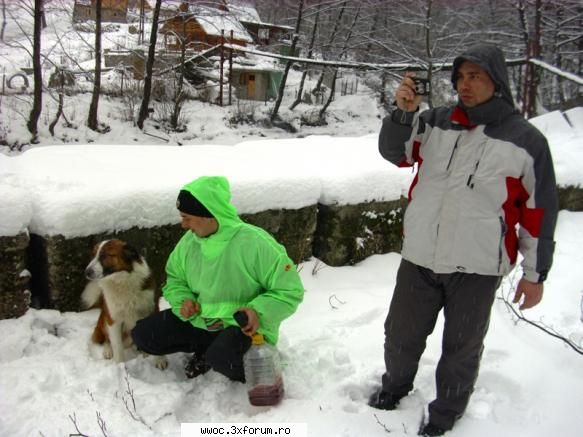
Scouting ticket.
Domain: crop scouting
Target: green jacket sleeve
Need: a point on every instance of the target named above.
(283, 292)
(176, 289)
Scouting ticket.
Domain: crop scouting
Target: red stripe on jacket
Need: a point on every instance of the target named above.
(416, 159)
(515, 211)
(460, 117)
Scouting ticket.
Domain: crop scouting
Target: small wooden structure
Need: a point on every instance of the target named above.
(252, 83)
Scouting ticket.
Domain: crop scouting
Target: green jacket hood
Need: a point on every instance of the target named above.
(215, 194)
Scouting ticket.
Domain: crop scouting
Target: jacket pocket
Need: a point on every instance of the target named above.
(477, 245)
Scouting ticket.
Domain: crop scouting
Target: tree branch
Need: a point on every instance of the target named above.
(539, 325)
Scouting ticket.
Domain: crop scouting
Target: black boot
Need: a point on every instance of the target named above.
(196, 366)
(430, 430)
(382, 400)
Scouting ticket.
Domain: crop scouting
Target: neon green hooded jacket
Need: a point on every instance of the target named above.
(240, 265)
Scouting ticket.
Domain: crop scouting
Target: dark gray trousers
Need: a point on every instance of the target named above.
(419, 295)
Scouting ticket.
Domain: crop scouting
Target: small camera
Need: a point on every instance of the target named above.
(422, 86)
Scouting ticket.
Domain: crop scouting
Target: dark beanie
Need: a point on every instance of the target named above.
(189, 204)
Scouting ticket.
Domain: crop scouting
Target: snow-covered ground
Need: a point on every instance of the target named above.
(530, 384)
(53, 380)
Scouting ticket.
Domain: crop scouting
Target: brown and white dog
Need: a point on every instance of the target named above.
(122, 286)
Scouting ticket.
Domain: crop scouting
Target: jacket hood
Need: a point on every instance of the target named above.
(491, 59)
(215, 194)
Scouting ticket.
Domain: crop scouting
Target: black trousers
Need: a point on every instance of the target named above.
(419, 295)
(164, 333)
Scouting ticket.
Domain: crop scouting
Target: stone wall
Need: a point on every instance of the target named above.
(350, 233)
(14, 277)
(337, 235)
(571, 198)
(58, 263)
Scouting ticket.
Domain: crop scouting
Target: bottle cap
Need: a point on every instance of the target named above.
(257, 339)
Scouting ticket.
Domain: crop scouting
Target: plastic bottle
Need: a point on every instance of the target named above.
(262, 370)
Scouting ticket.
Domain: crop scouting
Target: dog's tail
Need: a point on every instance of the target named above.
(91, 296)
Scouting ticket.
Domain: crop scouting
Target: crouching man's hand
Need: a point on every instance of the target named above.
(189, 308)
(532, 292)
(252, 321)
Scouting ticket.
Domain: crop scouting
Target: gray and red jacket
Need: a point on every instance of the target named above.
(485, 185)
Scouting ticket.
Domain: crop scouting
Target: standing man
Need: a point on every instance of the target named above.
(221, 265)
(484, 190)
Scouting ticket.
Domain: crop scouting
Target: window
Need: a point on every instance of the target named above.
(263, 34)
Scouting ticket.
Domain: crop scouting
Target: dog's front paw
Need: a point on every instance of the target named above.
(107, 351)
(161, 363)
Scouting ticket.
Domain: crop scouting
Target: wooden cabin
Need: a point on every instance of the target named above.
(202, 29)
(263, 34)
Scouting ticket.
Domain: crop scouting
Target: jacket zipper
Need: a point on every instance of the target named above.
(470, 183)
(502, 234)
(452, 153)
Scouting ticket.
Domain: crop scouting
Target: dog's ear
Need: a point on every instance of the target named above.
(131, 254)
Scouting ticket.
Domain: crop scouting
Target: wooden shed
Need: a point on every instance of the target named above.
(252, 83)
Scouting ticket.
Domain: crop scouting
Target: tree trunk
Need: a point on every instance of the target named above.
(32, 124)
(342, 54)
(178, 97)
(531, 78)
(43, 18)
(3, 20)
(309, 56)
(330, 41)
(428, 51)
(92, 122)
(560, 94)
(58, 116)
(289, 63)
(149, 67)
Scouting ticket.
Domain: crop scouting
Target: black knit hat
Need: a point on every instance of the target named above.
(189, 204)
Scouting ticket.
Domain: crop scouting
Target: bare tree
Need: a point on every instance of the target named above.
(38, 78)
(309, 56)
(428, 46)
(331, 39)
(92, 122)
(149, 67)
(288, 65)
(533, 50)
(562, 46)
(335, 74)
(3, 20)
(179, 96)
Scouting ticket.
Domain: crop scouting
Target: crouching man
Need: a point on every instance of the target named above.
(221, 265)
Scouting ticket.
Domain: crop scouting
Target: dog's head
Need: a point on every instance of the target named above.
(111, 256)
